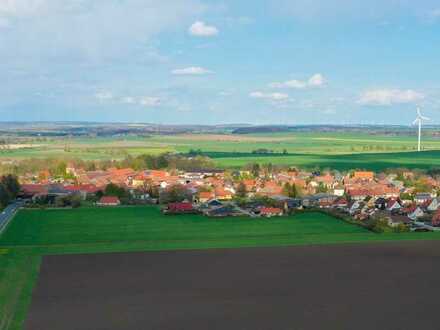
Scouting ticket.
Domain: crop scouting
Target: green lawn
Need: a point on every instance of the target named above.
(134, 224)
(34, 233)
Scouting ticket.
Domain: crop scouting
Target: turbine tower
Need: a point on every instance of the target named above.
(418, 121)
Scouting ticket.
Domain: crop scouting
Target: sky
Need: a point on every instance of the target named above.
(220, 62)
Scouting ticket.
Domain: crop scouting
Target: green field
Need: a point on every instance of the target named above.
(334, 150)
(367, 161)
(34, 233)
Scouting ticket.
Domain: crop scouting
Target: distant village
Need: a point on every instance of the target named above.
(403, 201)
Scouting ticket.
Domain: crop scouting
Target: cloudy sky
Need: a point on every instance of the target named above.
(213, 62)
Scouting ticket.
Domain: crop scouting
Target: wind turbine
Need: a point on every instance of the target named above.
(418, 121)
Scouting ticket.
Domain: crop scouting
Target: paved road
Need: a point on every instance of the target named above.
(8, 213)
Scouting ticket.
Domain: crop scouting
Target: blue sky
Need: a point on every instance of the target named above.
(215, 62)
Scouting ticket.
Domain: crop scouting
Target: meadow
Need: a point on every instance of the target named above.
(34, 233)
(307, 149)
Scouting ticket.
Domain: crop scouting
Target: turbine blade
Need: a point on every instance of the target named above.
(416, 122)
(425, 118)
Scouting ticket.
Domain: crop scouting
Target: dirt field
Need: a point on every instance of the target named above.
(364, 286)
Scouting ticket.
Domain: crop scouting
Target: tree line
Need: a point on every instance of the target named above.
(56, 167)
(9, 189)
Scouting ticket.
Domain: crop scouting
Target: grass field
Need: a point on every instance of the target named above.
(335, 150)
(34, 233)
(368, 161)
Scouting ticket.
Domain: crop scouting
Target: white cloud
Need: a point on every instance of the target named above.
(149, 101)
(104, 96)
(269, 96)
(387, 97)
(191, 71)
(317, 80)
(84, 29)
(201, 29)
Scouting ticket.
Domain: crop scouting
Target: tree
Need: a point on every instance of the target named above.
(255, 170)
(114, 190)
(381, 226)
(4, 196)
(241, 191)
(11, 184)
(321, 188)
(291, 190)
(175, 193)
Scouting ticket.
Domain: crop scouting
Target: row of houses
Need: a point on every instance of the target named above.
(360, 193)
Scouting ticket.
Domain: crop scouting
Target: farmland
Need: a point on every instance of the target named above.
(338, 150)
(34, 233)
(307, 287)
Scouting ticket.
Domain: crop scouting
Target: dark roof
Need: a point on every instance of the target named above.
(58, 190)
(400, 218)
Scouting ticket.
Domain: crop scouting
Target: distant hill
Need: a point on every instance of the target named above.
(261, 129)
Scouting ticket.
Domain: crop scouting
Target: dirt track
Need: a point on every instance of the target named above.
(375, 286)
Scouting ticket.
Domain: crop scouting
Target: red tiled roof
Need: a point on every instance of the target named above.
(363, 175)
(206, 195)
(270, 210)
(109, 200)
(180, 207)
(34, 189)
(87, 188)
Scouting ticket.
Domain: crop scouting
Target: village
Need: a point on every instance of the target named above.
(403, 201)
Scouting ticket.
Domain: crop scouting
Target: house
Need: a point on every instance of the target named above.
(395, 220)
(393, 205)
(270, 188)
(380, 203)
(223, 194)
(432, 205)
(363, 175)
(33, 190)
(223, 211)
(205, 196)
(180, 207)
(288, 203)
(326, 180)
(340, 203)
(339, 191)
(354, 207)
(414, 212)
(358, 194)
(83, 190)
(421, 198)
(213, 203)
(109, 201)
(249, 184)
(271, 212)
(436, 219)
(320, 200)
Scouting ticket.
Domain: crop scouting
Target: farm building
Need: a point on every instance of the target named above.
(271, 212)
(109, 201)
(179, 208)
